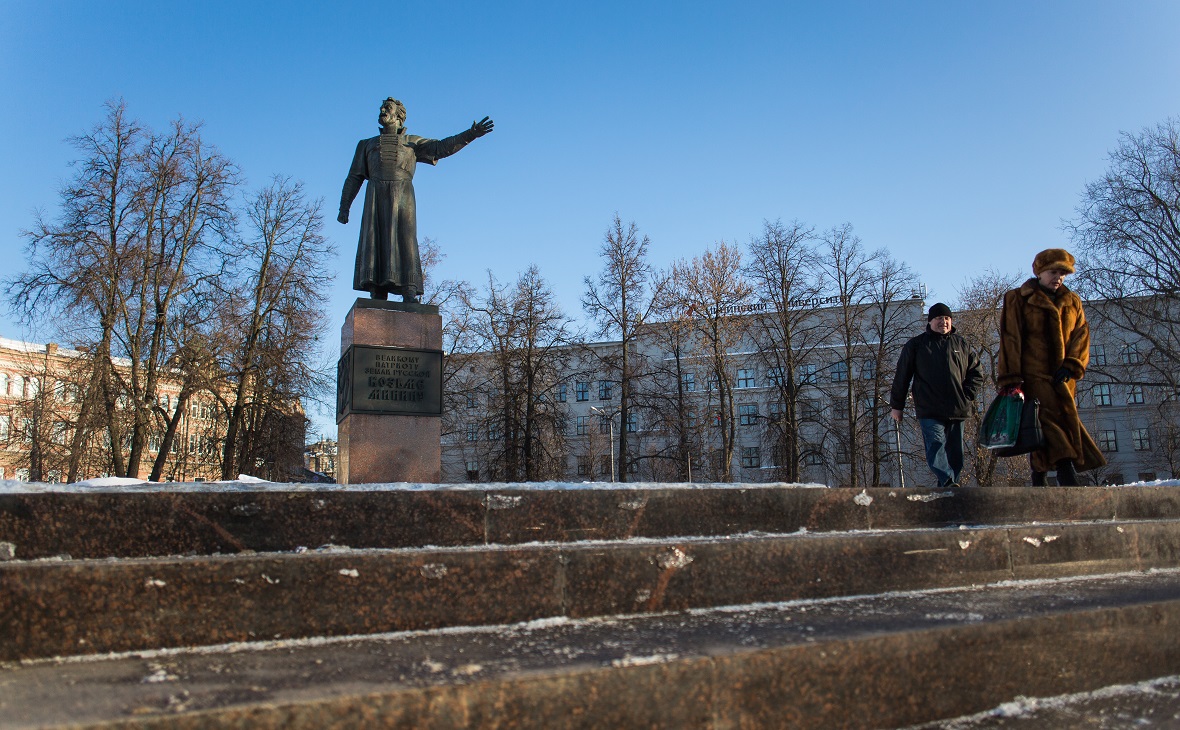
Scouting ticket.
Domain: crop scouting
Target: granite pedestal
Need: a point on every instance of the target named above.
(378, 447)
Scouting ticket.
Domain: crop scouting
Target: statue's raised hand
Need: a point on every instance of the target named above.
(482, 127)
(343, 217)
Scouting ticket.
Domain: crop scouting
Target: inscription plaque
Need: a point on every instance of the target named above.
(389, 381)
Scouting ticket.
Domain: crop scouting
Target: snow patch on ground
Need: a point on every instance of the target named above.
(1027, 707)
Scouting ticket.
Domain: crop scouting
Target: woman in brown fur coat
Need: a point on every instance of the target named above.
(1044, 350)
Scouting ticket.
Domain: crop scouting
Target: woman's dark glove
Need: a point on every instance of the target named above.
(1063, 374)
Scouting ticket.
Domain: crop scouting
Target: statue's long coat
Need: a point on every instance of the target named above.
(387, 257)
(1038, 335)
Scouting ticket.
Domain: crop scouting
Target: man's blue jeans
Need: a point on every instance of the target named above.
(944, 448)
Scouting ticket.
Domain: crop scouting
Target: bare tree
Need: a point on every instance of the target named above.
(711, 292)
(889, 320)
(781, 268)
(523, 340)
(849, 277)
(1127, 235)
(78, 263)
(276, 317)
(620, 300)
(186, 212)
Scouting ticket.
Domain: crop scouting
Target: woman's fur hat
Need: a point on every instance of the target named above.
(1053, 258)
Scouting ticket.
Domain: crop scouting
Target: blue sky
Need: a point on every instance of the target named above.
(958, 135)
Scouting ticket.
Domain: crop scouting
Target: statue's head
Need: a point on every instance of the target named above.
(393, 114)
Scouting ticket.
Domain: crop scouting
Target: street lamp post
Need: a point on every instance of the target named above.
(610, 416)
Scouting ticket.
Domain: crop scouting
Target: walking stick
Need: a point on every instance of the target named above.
(897, 437)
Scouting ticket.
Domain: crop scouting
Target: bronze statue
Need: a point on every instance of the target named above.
(387, 260)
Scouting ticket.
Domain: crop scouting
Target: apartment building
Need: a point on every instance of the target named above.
(40, 394)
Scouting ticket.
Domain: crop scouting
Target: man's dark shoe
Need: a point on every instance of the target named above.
(1039, 479)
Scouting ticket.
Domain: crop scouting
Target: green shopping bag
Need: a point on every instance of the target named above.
(1001, 424)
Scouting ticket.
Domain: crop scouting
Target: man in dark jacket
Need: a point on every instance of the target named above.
(946, 375)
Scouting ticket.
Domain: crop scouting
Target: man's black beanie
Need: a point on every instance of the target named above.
(939, 310)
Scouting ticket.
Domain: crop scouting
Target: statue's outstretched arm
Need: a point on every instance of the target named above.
(431, 151)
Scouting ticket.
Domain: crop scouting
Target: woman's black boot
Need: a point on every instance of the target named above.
(1067, 476)
(1038, 478)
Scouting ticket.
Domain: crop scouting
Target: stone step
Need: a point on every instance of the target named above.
(182, 521)
(880, 661)
(56, 607)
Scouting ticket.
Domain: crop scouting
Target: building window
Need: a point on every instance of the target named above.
(809, 409)
(472, 468)
(583, 466)
(605, 389)
(495, 433)
(711, 382)
(4, 384)
(868, 369)
(632, 422)
(1102, 394)
(1141, 438)
(1147, 476)
(473, 432)
(580, 425)
(747, 414)
(807, 374)
(776, 413)
(839, 371)
(813, 457)
(778, 455)
(841, 454)
(1114, 479)
(775, 376)
(472, 401)
(839, 410)
(689, 382)
(745, 378)
(751, 457)
(5, 425)
(604, 423)
(1134, 395)
(1098, 355)
(1130, 354)
(562, 396)
(1108, 440)
(581, 391)
(604, 466)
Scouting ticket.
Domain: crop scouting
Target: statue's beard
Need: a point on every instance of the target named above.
(390, 121)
